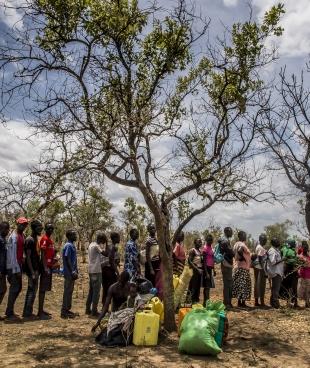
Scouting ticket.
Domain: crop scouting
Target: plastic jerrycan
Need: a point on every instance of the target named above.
(146, 328)
(149, 306)
(176, 281)
(197, 306)
(158, 307)
(182, 313)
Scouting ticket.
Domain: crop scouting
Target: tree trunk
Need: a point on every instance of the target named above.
(163, 234)
(307, 212)
(83, 249)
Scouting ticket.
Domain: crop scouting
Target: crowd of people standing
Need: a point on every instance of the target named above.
(287, 268)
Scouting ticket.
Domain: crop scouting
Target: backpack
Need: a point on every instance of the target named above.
(218, 256)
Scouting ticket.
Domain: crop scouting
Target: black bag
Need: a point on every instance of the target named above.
(116, 337)
(144, 285)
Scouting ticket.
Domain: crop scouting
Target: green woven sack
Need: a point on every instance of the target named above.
(197, 333)
(216, 306)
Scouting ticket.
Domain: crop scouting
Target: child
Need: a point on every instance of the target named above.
(134, 300)
(304, 274)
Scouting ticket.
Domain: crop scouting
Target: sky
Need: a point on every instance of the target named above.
(17, 152)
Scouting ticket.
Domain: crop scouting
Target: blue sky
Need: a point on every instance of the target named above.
(16, 152)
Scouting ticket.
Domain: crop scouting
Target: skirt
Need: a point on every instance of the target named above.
(304, 289)
(241, 284)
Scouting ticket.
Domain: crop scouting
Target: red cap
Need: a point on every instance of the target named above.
(22, 220)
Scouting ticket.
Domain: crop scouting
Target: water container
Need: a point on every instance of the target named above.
(158, 307)
(182, 313)
(146, 328)
(197, 306)
(176, 281)
(149, 306)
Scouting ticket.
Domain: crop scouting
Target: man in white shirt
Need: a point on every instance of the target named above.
(275, 270)
(259, 273)
(95, 251)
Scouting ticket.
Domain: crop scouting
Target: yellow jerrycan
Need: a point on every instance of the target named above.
(158, 307)
(149, 306)
(197, 306)
(146, 328)
(176, 281)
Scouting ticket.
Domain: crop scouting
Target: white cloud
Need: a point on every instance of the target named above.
(230, 2)
(295, 41)
(251, 218)
(9, 14)
(17, 152)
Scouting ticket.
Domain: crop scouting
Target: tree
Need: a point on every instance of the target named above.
(83, 205)
(90, 214)
(189, 238)
(135, 215)
(214, 230)
(286, 132)
(128, 82)
(278, 230)
(55, 213)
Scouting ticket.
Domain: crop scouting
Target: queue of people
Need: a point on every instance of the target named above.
(34, 256)
(286, 267)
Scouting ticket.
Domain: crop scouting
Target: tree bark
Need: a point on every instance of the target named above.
(307, 212)
(163, 233)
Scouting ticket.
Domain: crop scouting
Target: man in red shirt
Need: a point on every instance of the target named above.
(47, 262)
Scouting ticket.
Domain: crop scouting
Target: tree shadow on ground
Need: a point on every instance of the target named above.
(256, 344)
(61, 348)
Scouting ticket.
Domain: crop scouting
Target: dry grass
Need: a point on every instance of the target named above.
(257, 338)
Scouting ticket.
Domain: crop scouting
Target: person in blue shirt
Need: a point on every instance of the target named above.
(70, 269)
(132, 265)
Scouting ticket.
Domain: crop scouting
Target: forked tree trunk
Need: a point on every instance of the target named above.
(164, 240)
(307, 212)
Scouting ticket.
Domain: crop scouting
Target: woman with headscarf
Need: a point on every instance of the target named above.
(241, 275)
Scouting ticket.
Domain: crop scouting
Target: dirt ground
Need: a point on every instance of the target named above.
(257, 338)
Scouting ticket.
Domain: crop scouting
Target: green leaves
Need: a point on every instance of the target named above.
(61, 21)
(165, 48)
(118, 20)
(272, 19)
(135, 215)
(230, 84)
